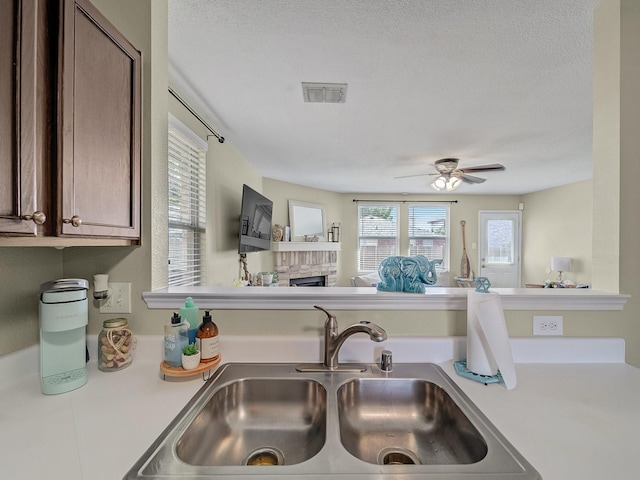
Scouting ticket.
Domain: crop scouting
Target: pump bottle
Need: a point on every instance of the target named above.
(208, 339)
(190, 314)
(176, 337)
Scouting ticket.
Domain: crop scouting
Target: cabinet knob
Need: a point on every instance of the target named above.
(38, 217)
(76, 221)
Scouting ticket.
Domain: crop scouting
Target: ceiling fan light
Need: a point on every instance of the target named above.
(439, 183)
(452, 183)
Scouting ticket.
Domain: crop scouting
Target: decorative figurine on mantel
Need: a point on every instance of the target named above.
(482, 284)
(278, 233)
(407, 274)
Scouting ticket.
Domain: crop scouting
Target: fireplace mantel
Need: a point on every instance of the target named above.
(306, 246)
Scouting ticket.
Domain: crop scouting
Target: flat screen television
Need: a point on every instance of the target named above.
(255, 222)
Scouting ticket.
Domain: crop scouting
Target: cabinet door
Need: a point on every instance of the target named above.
(18, 117)
(99, 119)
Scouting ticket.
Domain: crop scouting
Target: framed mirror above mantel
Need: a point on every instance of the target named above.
(307, 221)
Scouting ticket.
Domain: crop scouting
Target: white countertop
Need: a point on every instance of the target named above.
(571, 420)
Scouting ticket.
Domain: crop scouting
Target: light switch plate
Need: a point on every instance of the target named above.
(120, 299)
(547, 325)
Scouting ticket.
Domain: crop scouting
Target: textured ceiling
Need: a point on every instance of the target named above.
(486, 81)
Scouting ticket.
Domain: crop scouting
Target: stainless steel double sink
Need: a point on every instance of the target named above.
(270, 420)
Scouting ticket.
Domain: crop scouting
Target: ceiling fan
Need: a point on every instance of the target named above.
(450, 176)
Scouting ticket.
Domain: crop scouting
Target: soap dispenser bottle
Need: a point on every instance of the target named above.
(176, 337)
(191, 315)
(208, 339)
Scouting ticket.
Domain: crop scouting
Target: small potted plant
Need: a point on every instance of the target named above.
(190, 357)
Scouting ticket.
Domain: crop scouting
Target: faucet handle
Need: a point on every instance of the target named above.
(386, 361)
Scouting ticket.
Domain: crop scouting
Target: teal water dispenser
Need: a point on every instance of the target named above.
(63, 321)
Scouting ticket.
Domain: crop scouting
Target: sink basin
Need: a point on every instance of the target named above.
(258, 422)
(405, 421)
(272, 422)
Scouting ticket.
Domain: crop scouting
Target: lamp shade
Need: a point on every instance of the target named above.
(561, 264)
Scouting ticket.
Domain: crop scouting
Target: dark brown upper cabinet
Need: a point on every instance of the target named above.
(99, 125)
(71, 127)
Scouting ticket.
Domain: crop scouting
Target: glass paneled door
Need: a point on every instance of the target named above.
(499, 255)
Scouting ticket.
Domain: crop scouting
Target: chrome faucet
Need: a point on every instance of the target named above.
(334, 340)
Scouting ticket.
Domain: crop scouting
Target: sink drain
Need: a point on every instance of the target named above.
(265, 456)
(397, 456)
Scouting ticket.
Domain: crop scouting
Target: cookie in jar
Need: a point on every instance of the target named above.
(115, 345)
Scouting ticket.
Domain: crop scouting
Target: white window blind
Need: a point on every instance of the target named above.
(429, 233)
(187, 206)
(377, 235)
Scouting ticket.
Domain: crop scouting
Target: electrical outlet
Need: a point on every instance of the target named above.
(120, 299)
(547, 325)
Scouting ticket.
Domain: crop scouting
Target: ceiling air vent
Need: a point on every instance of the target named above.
(324, 92)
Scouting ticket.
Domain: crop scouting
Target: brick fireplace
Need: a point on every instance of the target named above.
(306, 264)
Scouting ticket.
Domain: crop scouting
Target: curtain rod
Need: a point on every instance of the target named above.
(193, 112)
(356, 200)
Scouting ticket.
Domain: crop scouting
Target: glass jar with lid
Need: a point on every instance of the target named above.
(115, 345)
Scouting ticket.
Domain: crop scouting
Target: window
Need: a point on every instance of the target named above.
(500, 236)
(377, 235)
(187, 210)
(429, 233)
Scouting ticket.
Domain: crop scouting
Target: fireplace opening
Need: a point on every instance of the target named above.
(317, 281)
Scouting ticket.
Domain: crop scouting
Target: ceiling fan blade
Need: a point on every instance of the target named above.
(482, 168)
(446, 165)
(416, 175)
(469, 178)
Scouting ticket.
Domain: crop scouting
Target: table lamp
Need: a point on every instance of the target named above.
(560, 264)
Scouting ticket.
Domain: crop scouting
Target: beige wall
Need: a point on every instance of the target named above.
(224, 187)
(466, 208)
(630, 173)
(281, 192)
(227, 171)
(144, 21)
(23, 270)
(557, 222)
(341, 208)
(616, 150)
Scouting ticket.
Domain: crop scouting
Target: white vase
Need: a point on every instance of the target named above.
(190, 362)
